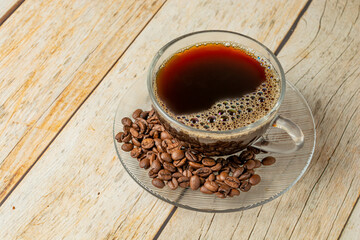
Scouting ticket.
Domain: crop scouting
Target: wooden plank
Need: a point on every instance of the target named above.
(7, 7)
(81, 161)
(64, 50)
(322, 58)
(352, 227)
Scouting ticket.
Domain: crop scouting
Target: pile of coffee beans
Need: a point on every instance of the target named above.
(171, 163)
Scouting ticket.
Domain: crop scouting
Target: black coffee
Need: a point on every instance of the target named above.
(217, 86)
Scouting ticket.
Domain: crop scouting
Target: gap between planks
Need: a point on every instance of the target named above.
(9, 12)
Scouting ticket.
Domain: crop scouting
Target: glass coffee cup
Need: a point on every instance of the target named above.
(225, 142)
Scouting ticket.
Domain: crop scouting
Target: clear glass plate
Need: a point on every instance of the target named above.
(276, 179)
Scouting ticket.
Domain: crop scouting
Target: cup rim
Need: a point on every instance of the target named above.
(173, 121)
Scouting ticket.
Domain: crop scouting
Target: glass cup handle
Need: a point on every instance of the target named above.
(291, 129)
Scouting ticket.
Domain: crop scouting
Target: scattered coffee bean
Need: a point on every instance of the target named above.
(136, 142)
(177, 154)
(245, 176)
(245, 186)
(250, 164)
(203, 189)
(191, 156)
(211, 185)
(164, 175)
(134, 133)
(268, 161)
(136, 113)
(173, 184)
(166, 157)
(211, 177)
(158, 183)
(156, 166)
(208, 162)
(238, 171)
(223, 176)
(203, 172)
(135, 153)
(127, 147)
(187, 173)
(126, 121)
(145, 163)
(180, 163)
(234, 192)
(165, 135)
(232, 182)
(224, 188)
(254, 179)
(169, 166)
(217, 167)
(195, 165)
(194, 182)
(257, 163)
(118, 137)
(220, 195)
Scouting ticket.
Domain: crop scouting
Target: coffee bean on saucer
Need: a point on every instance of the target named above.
(145, 163)
(177, 154)
(203, 189)
(257, 163)
(220, 195)
(136, 113)
(126, 121)
(169, 166)
(180, 163)
(208, 162)
(234, 192)
(254, 179)
(250, 164)
(135, 153)
(223, 176)
(217, 167)
(194, 182)
(224, 188)
(173, 184)
(232, 182)
(247, 155)
(164, 175)
(147, 143)
(211, 177)
(134, 133)
(165, 135)
(245, 176)
(195, 165)
(158, 183)
(156, 166)
(203, 172)
(268, 161)
(127, 147)
(253, 149)
(166, 157)
(211, 185)
(238, 171)
(191, 156)
(118, 136)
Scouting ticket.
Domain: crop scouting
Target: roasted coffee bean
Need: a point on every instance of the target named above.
(223, 176)
(126, 137)
(126, 129)
(232, 158)
(234, 192)
(220, 195)
(203, 172)
(136, 142)
(135, 126)
(135, 153)
(247, 155)
(145, 163)
(194, 182)
(226, 169)
(183, 179)
(144, 114)
(254, 150)
(164, 174)
(238, 171)
(191, 156)
(147, 143)
(118, 137)
(134, 133)
(152, 173)
(142, 125)
(184, 184)
(169, 166)
(245, 186)
(232, 169)
(202, 180)
(187, 173)
(232, 182)
(257, 163)
(126, 121)
(224, 188)
(251, 171)
(156, 166)
(127, 147)
(208, 162)
(203, 189)
(250, 164)
(173, 184)
(217, 167)
(177, 175)
(136, 113)
(179, 163)
(211, 185)
(254, 179)
(177, 154)
(195, 165)
(158, 183)
(165, 135)
(166, 157)
(268, 161)
(153, 120)
(211, 177)
(245, 176)
(158, 127)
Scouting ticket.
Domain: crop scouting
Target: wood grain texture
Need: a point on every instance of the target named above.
(52, 55)
(352, 227)
(59, 196)
(7, 7)
(321, 58)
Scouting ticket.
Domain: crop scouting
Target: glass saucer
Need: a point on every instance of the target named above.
(276, 179)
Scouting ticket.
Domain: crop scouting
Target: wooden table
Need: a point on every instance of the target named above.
(65, 64)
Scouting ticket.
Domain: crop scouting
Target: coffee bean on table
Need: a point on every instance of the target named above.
(268, 161)
(164, 174)
(194, 182)
(208, 162)
(126, 121)
(232, 182)
(177, 154)
(211, 185)
(127, 147)
(147, 143)
(136, 113)
(254, 179)
(158, 183)
(173, 184)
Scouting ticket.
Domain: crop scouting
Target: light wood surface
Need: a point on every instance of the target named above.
(60, 175)
(7, 7)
